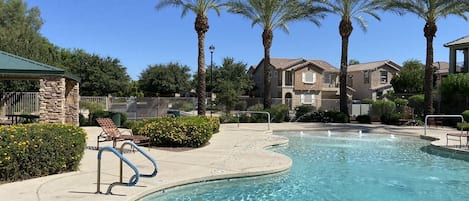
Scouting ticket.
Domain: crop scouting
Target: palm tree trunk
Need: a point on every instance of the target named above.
(267, 37)
(201, 27)
(429, 31)
(345, 29)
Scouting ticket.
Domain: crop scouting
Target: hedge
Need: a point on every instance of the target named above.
(35, 150)
(179, 132)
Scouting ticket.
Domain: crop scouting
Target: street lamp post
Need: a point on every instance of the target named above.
(212, 49)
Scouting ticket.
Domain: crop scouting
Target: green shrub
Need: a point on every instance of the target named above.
(340, 117)
(364, 119)
(178, 132)
(321, 116)
(463, 126)
(465, 114)
(279, 113)
(34, 150)
(228, 118)
(391, 119)
(302, 110)
(416, 102)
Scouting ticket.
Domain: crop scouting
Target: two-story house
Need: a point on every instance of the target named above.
(298, 81)
(371, 80)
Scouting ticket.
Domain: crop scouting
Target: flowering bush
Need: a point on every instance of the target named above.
(34, 150)
(180, 132)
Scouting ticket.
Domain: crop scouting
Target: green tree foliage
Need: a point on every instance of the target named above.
(410, 78)
(100, 76)
(455, 93)
(232, 81)
(165, 79)
(416, 102)
(19, 35)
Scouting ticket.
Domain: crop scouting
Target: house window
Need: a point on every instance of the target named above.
(307, 99)
(309, 77)
(366, 77)
(288, 78)
(327, 78)
(384, 76)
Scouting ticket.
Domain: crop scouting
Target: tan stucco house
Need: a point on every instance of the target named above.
(371, 80)
(298, 81)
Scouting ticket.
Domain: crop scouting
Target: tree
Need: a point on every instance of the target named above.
(19, 35)
(100, 76)
(200, 8)
(348, 10)
(410, 78)
(430, 11)
(165, 79)
(232, 81)
(270, 15)
(353, 62)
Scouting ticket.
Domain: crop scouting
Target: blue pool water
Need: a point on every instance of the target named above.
(344, 166)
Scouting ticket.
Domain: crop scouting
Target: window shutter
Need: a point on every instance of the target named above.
(313, 99)
(302, 97)
(303, 75)
(314, 77)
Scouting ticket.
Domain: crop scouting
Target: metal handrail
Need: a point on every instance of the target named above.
(133, 145)
(255, 112)
(441, 115)
(132, 181)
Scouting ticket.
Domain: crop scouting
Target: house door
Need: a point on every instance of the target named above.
(288, 100)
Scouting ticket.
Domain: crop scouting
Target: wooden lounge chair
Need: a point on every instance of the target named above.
(459, 136)
(112, 133)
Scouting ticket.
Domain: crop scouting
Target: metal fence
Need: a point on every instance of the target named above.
(147, 107)
(19, 103)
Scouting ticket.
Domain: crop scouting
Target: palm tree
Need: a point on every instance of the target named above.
(200, 8)
(430, 11)
(270, 15)
(348, 10)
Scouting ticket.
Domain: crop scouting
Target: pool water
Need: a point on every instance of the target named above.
(344, 166)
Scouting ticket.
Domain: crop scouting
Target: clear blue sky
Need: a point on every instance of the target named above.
(139, 35)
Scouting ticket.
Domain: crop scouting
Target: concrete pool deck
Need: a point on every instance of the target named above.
(234, 152)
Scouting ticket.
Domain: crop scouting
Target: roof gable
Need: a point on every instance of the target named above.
(373, 65)
(460, 41)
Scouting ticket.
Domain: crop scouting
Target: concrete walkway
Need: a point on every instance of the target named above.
(234, 152)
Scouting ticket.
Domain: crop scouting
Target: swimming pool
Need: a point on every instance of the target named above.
(344, 166)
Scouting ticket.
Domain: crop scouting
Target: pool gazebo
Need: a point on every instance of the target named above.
(58, 92)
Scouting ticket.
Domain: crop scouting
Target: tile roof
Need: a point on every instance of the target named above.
(372, 65)
(283, 63)
(443, 67)
(459, 41)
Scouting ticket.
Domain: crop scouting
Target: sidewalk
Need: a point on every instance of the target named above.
(234, 152)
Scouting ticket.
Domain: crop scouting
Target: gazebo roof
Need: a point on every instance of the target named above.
(460, 41)
(16, 67)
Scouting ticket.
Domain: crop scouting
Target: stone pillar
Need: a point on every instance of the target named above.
(72, 106)
(52, 100)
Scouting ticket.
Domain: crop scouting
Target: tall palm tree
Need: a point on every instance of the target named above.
(200, 9)
(430, 11)
(270, 15)
(349, 10)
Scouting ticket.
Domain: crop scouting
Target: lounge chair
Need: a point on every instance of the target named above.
(459, 136)
(112, 133)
